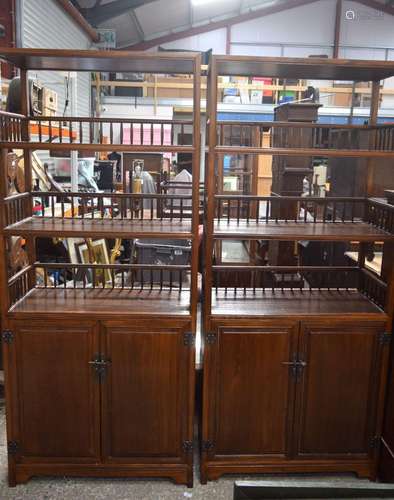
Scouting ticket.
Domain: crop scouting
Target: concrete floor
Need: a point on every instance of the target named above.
(123, 489)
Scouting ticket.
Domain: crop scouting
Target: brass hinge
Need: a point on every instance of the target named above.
(385, 338)
(187, 446)
(188, 339)
(374, 442)
(7, 336)
(210, 338)
(207, 445)
(12, 447)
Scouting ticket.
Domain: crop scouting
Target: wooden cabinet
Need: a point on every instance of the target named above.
(301, 396)
(101, 398)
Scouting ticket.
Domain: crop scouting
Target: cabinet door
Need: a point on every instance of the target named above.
(249, 390)
(145, 407)
(56, 402)
(338, 391)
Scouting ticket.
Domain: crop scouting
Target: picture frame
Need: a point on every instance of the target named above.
(100, 253)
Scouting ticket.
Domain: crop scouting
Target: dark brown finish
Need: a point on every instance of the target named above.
(282, 303)
(144, 412)
(101, 406)
(249, 427)
(259, 413)
(340, 317)
(350, 357)
(58, 398)
(96, 60)
(347, 231)
(97, 228)
(310, 68)
(110, 346)
(103, 302)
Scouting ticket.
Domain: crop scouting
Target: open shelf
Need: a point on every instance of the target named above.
(123, 215)
(303, 218)
(282, 302)
(101, 228)
(281, 230)
(101, 289)
(105, 302)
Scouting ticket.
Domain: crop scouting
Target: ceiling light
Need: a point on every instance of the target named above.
(198, 3)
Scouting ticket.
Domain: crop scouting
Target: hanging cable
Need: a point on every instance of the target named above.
(67, 92)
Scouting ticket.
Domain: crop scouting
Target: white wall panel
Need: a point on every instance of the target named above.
(312, 23)
(44, 24)
(306, 51)
(361, 53)
(210, 10)
(215, 40)
(160, 17)
(366, 27)
(255, 50)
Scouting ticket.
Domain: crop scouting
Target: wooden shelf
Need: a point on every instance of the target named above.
(101, 228)
(104, 302)
(291, 303)
(304, 68)
(55, 146)
(100, 60)
(352, 153)
(333, 231)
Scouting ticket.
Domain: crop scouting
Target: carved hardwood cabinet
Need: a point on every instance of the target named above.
(99, 357)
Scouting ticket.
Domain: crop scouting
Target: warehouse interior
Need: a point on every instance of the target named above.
(196, 249)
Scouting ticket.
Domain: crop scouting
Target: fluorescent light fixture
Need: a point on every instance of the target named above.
(198, 3)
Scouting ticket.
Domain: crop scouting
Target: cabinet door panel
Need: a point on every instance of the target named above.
(254, 391)
(336, 403)
(58, 396)
(145, 394)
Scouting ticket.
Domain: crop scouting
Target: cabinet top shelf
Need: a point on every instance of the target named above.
(304, 68)
(97, 60)
(292, 303)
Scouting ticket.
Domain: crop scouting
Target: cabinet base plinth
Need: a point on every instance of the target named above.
(180, 474)
(212, 471)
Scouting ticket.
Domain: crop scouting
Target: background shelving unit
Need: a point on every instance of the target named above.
(116, 341)
(295, 369)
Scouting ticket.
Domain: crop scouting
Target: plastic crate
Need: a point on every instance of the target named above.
(162, 252)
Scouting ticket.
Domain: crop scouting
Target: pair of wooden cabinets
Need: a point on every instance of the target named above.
(108, 398)
(101, 398)
(293, 396)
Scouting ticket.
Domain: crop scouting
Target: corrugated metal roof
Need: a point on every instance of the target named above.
(159, 17)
